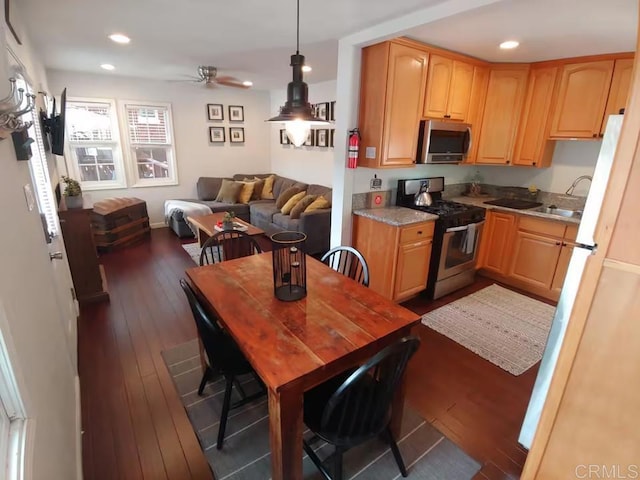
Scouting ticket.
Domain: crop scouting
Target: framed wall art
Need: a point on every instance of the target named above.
(284, 138)
(236, 113)
(332, 111)
(311, 137)
(332, 134)
(216, 135)
(215, 111)
(322, 137)
(322, 111)
(236, 134)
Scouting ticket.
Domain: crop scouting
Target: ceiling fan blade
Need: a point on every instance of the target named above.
(230, 82)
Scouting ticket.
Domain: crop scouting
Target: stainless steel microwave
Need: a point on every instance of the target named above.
(443, 142)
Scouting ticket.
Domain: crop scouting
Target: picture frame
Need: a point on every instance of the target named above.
(311, 139)
(332, 112)
(322, 110)
(284, 138)
(216, 135)
(236, 134)
(215, 111)
(331, 137)
(322, 137)
(236, 113)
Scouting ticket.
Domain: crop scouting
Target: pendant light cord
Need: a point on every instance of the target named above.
(298, 29)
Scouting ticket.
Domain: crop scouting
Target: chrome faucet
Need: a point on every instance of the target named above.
(576, 182)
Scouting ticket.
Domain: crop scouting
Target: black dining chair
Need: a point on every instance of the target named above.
(227, 245)
(349, 262)
(356, 406)
(224, 356)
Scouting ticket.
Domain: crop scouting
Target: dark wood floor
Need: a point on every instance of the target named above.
(135, 426)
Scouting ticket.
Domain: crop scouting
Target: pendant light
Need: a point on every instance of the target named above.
(296, 114)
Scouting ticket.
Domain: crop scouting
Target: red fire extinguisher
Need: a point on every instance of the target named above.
(354, 144)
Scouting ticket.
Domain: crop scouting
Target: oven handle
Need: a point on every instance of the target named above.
(462, 228)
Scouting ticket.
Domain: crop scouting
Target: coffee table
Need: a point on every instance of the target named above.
(206, 226)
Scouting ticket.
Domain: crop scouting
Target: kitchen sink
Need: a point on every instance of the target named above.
(552, 210)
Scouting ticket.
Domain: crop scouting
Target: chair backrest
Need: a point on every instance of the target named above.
(349, 262)
(227, 245)
(360, 408)
(219, 347)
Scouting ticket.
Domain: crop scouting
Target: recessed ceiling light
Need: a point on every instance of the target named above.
(509, 44)
(247, 83)
(306, 68)
(108, 66)
(119, 38)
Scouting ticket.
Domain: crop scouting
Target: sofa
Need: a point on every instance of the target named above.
(263, 213)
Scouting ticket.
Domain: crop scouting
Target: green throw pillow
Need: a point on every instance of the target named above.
(302, 205)
(286, 195)
(229, 191)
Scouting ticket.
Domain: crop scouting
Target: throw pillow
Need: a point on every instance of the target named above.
(318, 203)
(285, 196)
(301, 205)
(267, 190)
(246, 192)
(292, 202)
(258, 185)
(229, 191)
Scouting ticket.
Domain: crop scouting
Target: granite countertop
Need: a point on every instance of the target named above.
(396, 216)
(479, 202)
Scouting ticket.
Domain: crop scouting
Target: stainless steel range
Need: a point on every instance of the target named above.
(456, 238)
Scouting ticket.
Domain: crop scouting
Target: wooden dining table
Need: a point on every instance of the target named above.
(294, 346)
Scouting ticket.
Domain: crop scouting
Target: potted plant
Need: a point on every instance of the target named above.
(227, 220)
(72, 192)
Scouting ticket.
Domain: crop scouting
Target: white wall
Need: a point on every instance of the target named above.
(30, 319)
(195, 156)
(570, 160)
(307, 164)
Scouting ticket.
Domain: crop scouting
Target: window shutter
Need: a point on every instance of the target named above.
(148, 125)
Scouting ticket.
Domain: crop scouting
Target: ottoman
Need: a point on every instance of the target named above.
(117, 222)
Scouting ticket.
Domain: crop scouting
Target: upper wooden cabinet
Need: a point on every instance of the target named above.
(393, 78)
(619, 92)
(505, 96)
(533, 147)
(448, 91)
(582, 98)
(476, 109)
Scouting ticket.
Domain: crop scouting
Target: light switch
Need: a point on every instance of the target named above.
(28, 195)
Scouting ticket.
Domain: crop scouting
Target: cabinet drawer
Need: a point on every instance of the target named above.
(543, 227)
(417, 232)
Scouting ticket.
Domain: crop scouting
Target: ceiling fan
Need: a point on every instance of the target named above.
(209, 75)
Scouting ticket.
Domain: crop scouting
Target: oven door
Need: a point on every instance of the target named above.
(459, 249)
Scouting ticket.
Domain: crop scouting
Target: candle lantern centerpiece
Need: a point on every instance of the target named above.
(289, 266)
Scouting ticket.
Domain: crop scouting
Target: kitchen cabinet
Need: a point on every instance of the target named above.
(533, 147)
(393, 79)
(619, 91)
(582, 98)
(476, 109)
(448, 89)
(398, 256)
(496, 244)
(529, 253)
(505, 96)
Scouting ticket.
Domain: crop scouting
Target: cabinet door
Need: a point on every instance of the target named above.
(406, 79)
(460, 91)
(505, 96)
(438, 84)
(476, 109)
(412, 269)
(561, 269)
(535, 259)
(619, 92)
(496, 245)
(533, 148)
(582, 97)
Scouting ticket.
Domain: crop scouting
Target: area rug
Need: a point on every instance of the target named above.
(428, 454)
(506, 328)
(193, 249)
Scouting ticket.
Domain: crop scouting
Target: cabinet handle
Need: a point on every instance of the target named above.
(558, 244)
(595, 135)
(508, 162)
(447, 116)
(533, 163)
(419, 232)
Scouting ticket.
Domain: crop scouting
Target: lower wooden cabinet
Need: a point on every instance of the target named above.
(398, 257)
(527, 252)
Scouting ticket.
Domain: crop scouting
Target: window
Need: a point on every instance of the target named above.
(94, 143)
(150, 151)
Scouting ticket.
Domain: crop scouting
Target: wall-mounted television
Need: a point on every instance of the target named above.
(53, 125)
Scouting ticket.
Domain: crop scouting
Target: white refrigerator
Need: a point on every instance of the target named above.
(586, 244)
